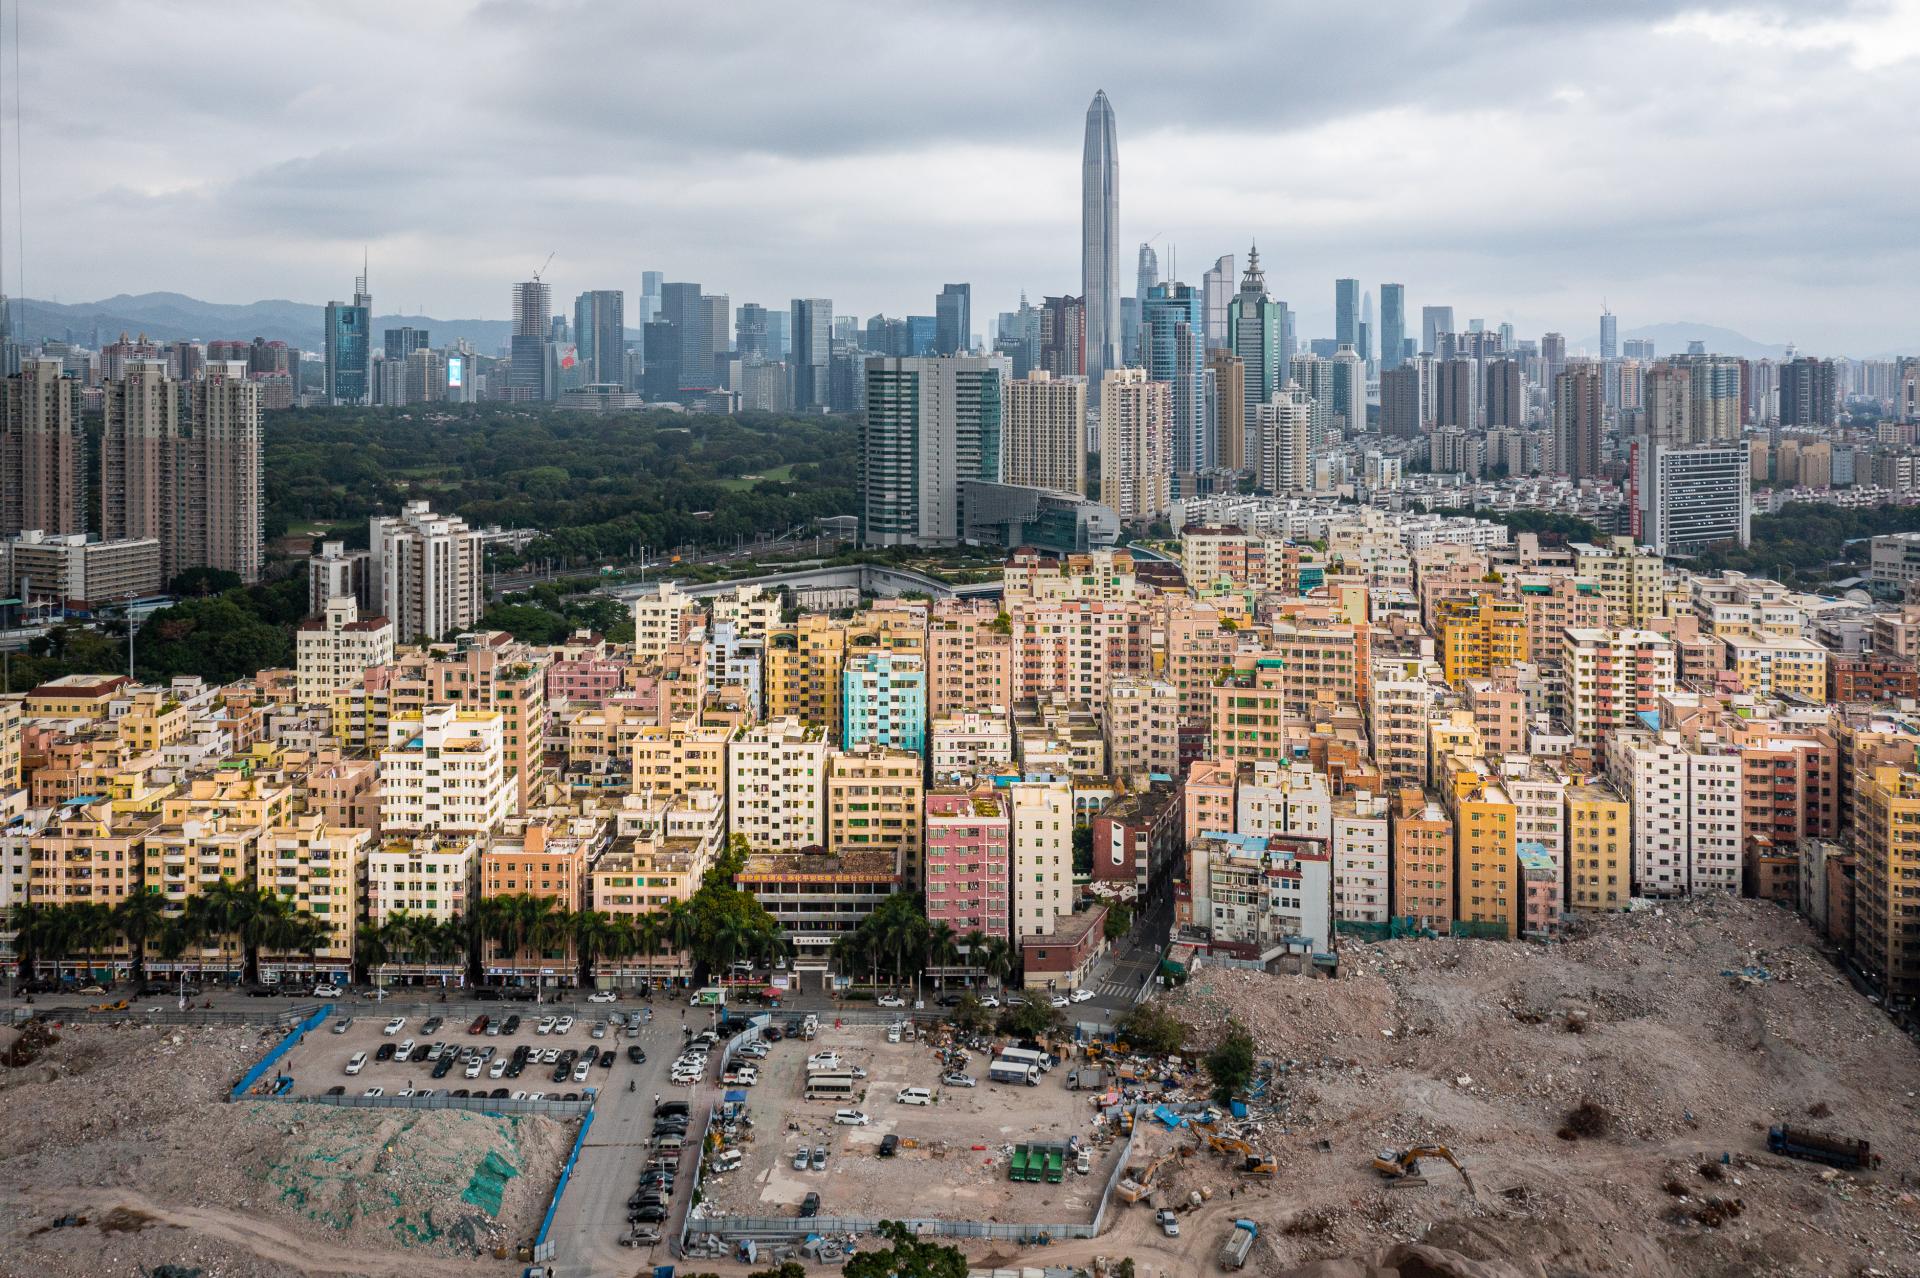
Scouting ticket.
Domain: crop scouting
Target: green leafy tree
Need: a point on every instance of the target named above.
(1230, 1063)
(906, 1257)
(1152, 1029)
(1083, 849)
(1119, 921)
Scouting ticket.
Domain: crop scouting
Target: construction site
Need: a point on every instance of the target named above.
(124, 1157)
(1598, 1106)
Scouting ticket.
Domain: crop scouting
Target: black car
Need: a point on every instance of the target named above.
(431, 1024)
(263, 991)
(155, 988)
(650, 1215)
(384, 1052)
(336, 1091)
(810, 1206)
(514, 1068)
(671, 1107)
(513, 1023)
(498, 1093)
(486, 996)
(561, 1074)
(889, 1145)
(948, 1000)
(443, 1066)
(459, 1091)
(635, 1055)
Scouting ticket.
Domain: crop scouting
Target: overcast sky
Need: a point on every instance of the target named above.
(1746, 166)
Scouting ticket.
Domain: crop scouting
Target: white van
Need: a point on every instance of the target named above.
(356, 1062)
(728, 1160)
(914, 1096)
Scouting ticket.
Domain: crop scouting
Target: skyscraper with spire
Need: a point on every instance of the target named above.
(1100, 240)
(349, 340)
(1255, 332)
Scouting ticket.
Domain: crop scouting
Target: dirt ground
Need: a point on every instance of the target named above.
(127, 1127)
(953, 1159)
(1487, 1048)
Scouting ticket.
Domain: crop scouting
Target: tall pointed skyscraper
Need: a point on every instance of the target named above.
(1100, 241)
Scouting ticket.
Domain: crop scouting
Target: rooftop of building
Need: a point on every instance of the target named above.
(874, 866)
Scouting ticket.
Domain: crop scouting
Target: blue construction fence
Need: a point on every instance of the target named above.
(279, 1050)
(559, 1190)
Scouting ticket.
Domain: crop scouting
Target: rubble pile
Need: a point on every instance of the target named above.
(141, 1110)
(1582, 1084)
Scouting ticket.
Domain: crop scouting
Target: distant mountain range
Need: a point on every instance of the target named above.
(1672, 339)
(176, 317)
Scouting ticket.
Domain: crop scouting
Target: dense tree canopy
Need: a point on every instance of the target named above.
(597, 484)
(1806, 544)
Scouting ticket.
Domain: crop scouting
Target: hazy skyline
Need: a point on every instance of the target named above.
(1739, 166)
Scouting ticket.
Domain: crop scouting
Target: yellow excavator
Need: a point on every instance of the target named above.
(1402, 1166)
(1252, 1164)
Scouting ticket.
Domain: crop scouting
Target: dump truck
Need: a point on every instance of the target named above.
(1239, 1244)
(1818, 1147)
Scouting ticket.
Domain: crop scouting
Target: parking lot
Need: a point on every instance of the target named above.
(319, 1064)
(951, 1161)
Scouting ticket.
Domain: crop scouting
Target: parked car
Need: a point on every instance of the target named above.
(394, 1026)
(890, 1000)
(819, 1162)
(889, 1145)
(957, 1080)
(513, 1024)
(635, 1055)
(474, 1067)
(564, 1025)
(1081, 995)
(336, 1090)
(327, 991)
(603, 996)
(499, 1068)
(850, 1118)
(599, 1029)
(385, 1052)
(356, 1062)
(546, 1025)
(988, 1000)
(480, 1024)
(444, 1065)
(342, 1025)
(802, 1158)
(375, 1091)
(672, 1107)
(1058, 1000)
(810, 1206)
(1168, 1222)
(914, 1096)
(651, 1215)
(404, 1052)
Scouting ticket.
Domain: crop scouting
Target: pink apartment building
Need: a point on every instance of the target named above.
(969, 843)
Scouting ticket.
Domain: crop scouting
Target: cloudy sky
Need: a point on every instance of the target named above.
(1747, 166)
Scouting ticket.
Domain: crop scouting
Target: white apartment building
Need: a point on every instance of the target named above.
(1362, 870)
(971, 744)
(444, 771)
(662, 619)
(435, 879)
(777, 786)
(333, 650)
(751, 610)
(1278, 799)
(427, 573)
(1686, 813)
(1397, 704)
(1539, 797)
(1136, 444)
(1042, 854)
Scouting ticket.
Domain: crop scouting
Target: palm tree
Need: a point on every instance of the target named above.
(30, 922)
(942, 947)
(731, 937)
(140, 916)
(996, 956)
(648, 929)
(590, 931)
(248, 915)
(370, 949)
(92, 928)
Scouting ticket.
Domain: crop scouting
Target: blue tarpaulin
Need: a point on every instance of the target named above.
(1167, 1116)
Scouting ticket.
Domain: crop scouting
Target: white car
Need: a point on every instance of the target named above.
(1081, 995)
(988, 1000)
(356, 1062)
(519, 1096)
(603, 996)
(550, 1057)
(326, 991)
(498, 1069)
(580, 1072)
(375, 1091)
(403, 1053)
(406, 1091)
(849, 1118)
(394, 1026)
(823, 1060)
(564, 1025)
(1058, 1000)
(890, 1000)
(546, 1025)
